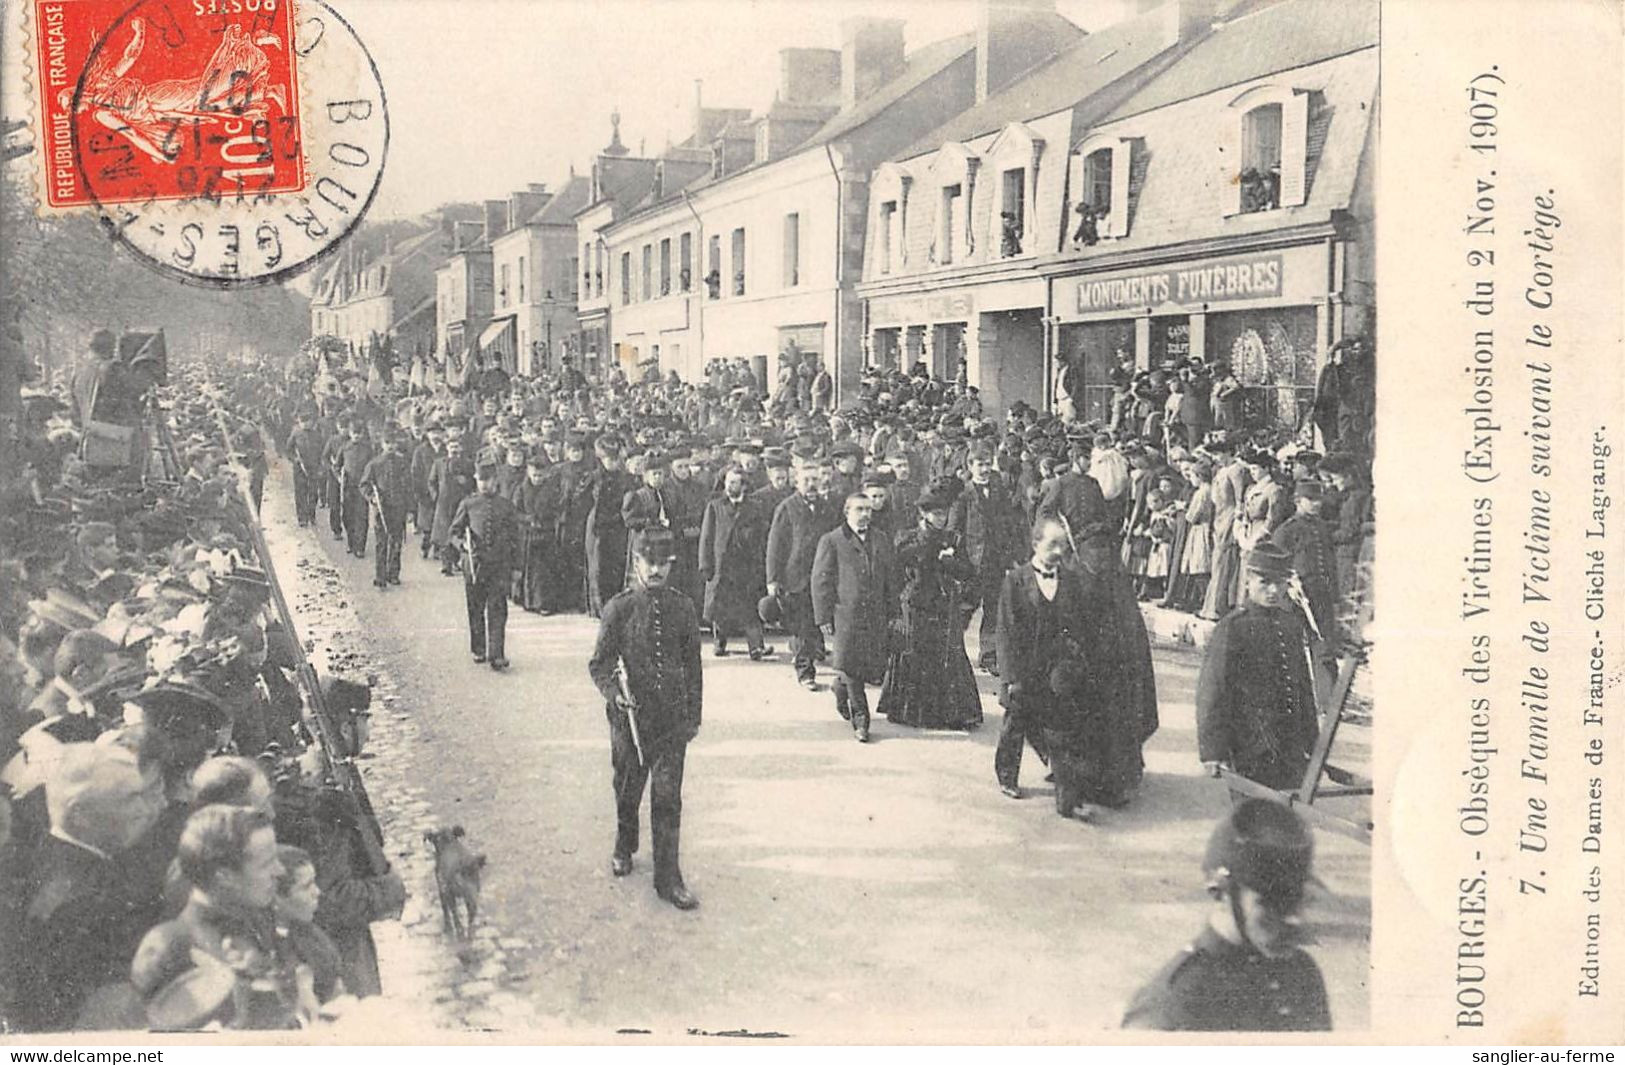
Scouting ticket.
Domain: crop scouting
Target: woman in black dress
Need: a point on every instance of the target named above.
(929, 683)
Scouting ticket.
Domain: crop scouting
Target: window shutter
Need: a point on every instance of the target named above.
(1122, 158)
(900, 243)
(1229, 162)
(1294, 150)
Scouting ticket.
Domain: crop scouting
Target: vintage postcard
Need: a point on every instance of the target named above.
(811, 522)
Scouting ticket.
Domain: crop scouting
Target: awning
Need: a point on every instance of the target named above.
(500, 338)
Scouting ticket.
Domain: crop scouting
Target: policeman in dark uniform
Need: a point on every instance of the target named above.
(647, 665)
(1244, 972)
(1255, 696)
(490, 525)
(387, 484)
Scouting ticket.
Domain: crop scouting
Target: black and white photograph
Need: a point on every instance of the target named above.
(722, 521)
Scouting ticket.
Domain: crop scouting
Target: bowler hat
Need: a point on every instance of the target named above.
(770, 608)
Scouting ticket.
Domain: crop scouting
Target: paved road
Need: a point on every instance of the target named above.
(887, 889)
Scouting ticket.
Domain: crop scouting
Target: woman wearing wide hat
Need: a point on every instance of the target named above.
(930, 683)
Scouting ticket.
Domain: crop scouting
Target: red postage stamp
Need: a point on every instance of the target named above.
(175, 100)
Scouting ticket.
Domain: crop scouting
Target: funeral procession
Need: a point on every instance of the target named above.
(861, 534)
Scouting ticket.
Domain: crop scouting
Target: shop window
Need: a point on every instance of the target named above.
(1273, 355)
(626, 278)
(947, 215)
(713, 263)
(685, 262)
(792, 250)
(1013, 212)
(884, 236)
(665, 267)
(738, 261)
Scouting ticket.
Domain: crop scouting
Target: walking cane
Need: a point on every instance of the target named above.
(383, 522)
(631, 708)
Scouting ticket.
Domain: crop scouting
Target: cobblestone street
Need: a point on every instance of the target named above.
(842, 886)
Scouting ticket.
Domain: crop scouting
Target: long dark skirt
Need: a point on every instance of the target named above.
(534, 587)
(929, 682)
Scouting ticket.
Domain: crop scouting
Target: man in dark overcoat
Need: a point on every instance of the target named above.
(1075, 496)
(989, 521)
(424, 456)
(855, 597)
(792, 543)
(450, 480)
(1255, 698)
(732, 539)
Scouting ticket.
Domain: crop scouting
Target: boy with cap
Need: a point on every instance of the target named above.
(646, 662)
(1244, 972)
(1255, 696)
(1307, 537)
(486, 530)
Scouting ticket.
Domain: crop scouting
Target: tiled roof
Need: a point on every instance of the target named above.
(919, 67)
(1091, 64)
(561, 209)
(1282, 36)
(1175, 194)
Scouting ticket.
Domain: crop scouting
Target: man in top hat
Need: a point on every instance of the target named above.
(485, 530)
(646, 662)
(1255, 695)
(387, 484)
(855, 589)
(1244, 972)
(847, 458)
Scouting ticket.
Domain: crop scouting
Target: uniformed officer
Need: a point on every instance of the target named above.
(489, 525)
(353, 456)
(647, 665)
(387, 484)
(1255, 698)
(1244, 972)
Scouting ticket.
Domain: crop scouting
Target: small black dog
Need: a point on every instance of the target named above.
(457, 876)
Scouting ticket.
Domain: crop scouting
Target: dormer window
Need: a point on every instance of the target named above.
(1013, 214)
(1261, 159)
(1014, 157)
(1099, 190)
(1263, 150)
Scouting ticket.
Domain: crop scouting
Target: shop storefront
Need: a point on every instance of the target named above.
(995, 329)
(1267, 314)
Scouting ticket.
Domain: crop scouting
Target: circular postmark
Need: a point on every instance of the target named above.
(228, 143)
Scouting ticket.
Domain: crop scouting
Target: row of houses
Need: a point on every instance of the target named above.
(1195, 179)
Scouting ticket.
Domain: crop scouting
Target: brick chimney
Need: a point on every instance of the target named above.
(1191, 18)
(496, 219)
(808, 75)
(525, 203)
(871, 55)
(466, 235)
(1009, 40)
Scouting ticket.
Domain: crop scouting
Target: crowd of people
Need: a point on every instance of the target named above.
(165, 804)
(175, 849)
